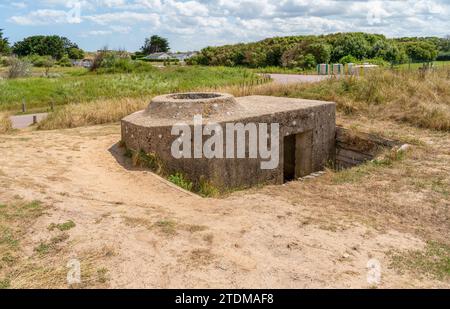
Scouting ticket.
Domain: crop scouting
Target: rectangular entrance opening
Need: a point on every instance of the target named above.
(298, 155)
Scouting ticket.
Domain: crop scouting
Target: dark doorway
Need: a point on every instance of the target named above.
(289, 158)
(298, 155)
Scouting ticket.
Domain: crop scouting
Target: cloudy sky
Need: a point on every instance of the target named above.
(194, 24)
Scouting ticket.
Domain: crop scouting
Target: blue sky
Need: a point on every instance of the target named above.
(194, 24)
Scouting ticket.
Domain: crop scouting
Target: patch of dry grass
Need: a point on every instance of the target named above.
(5, 123)
(46, 267)
(434, 261)
(99, 112)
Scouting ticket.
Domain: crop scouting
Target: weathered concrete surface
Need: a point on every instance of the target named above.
(355, 148)
(152, 134)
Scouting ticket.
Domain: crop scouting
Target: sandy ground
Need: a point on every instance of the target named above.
(300, 235)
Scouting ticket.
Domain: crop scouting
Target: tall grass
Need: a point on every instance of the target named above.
(98, 112)
(5, 123)
(408, 96)
(88, 87)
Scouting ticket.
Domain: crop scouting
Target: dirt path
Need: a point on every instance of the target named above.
(275, 237)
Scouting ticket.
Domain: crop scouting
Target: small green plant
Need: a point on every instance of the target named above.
(62, 226)
(181, 181)
(42, 249)
(47, 247)
(148, 160)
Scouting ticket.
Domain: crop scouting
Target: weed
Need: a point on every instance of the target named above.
(181, 181)
(167, 227)
(206, 189)
(52, 246)
(147, 160)
(62, 226)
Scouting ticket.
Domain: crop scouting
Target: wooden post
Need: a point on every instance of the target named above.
(34, 119)
(52, 106)
(24, 106)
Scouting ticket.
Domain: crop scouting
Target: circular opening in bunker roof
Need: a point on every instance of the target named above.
(186, 105)
(195, 96)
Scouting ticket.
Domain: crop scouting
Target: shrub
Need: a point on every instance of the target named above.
(118, 62)
(348, 59)
(3, 62)
(40, 61)
(18, 68)
(65, 62)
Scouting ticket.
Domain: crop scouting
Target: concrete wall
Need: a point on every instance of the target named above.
(317, 121)
(355, 148)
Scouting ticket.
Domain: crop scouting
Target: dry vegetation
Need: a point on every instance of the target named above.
(45, 265)
(422, 100)
(405, 96)
(99, 112)
(5, 123)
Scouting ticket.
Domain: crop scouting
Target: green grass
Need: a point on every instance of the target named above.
(62, 226)
(38, 92)
(416, 66)
(181, 181)
(434, 261)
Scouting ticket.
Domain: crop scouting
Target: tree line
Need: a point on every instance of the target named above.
(307, 51)
(54, 46)
(59, 47)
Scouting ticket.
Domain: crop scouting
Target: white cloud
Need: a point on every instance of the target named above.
(126, 17)
(19, 5)
(200, 22)
(42, 17)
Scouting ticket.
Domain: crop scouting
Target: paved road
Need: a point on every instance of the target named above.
(287, 79)
(21, 122)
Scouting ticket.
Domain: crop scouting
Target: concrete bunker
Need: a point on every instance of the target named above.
(300, 133)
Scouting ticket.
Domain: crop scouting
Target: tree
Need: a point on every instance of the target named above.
(4, 44)
(54, 46)
(354, 44)
(155, 44)
(75, 53)
(421, 51)
(320, 51)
